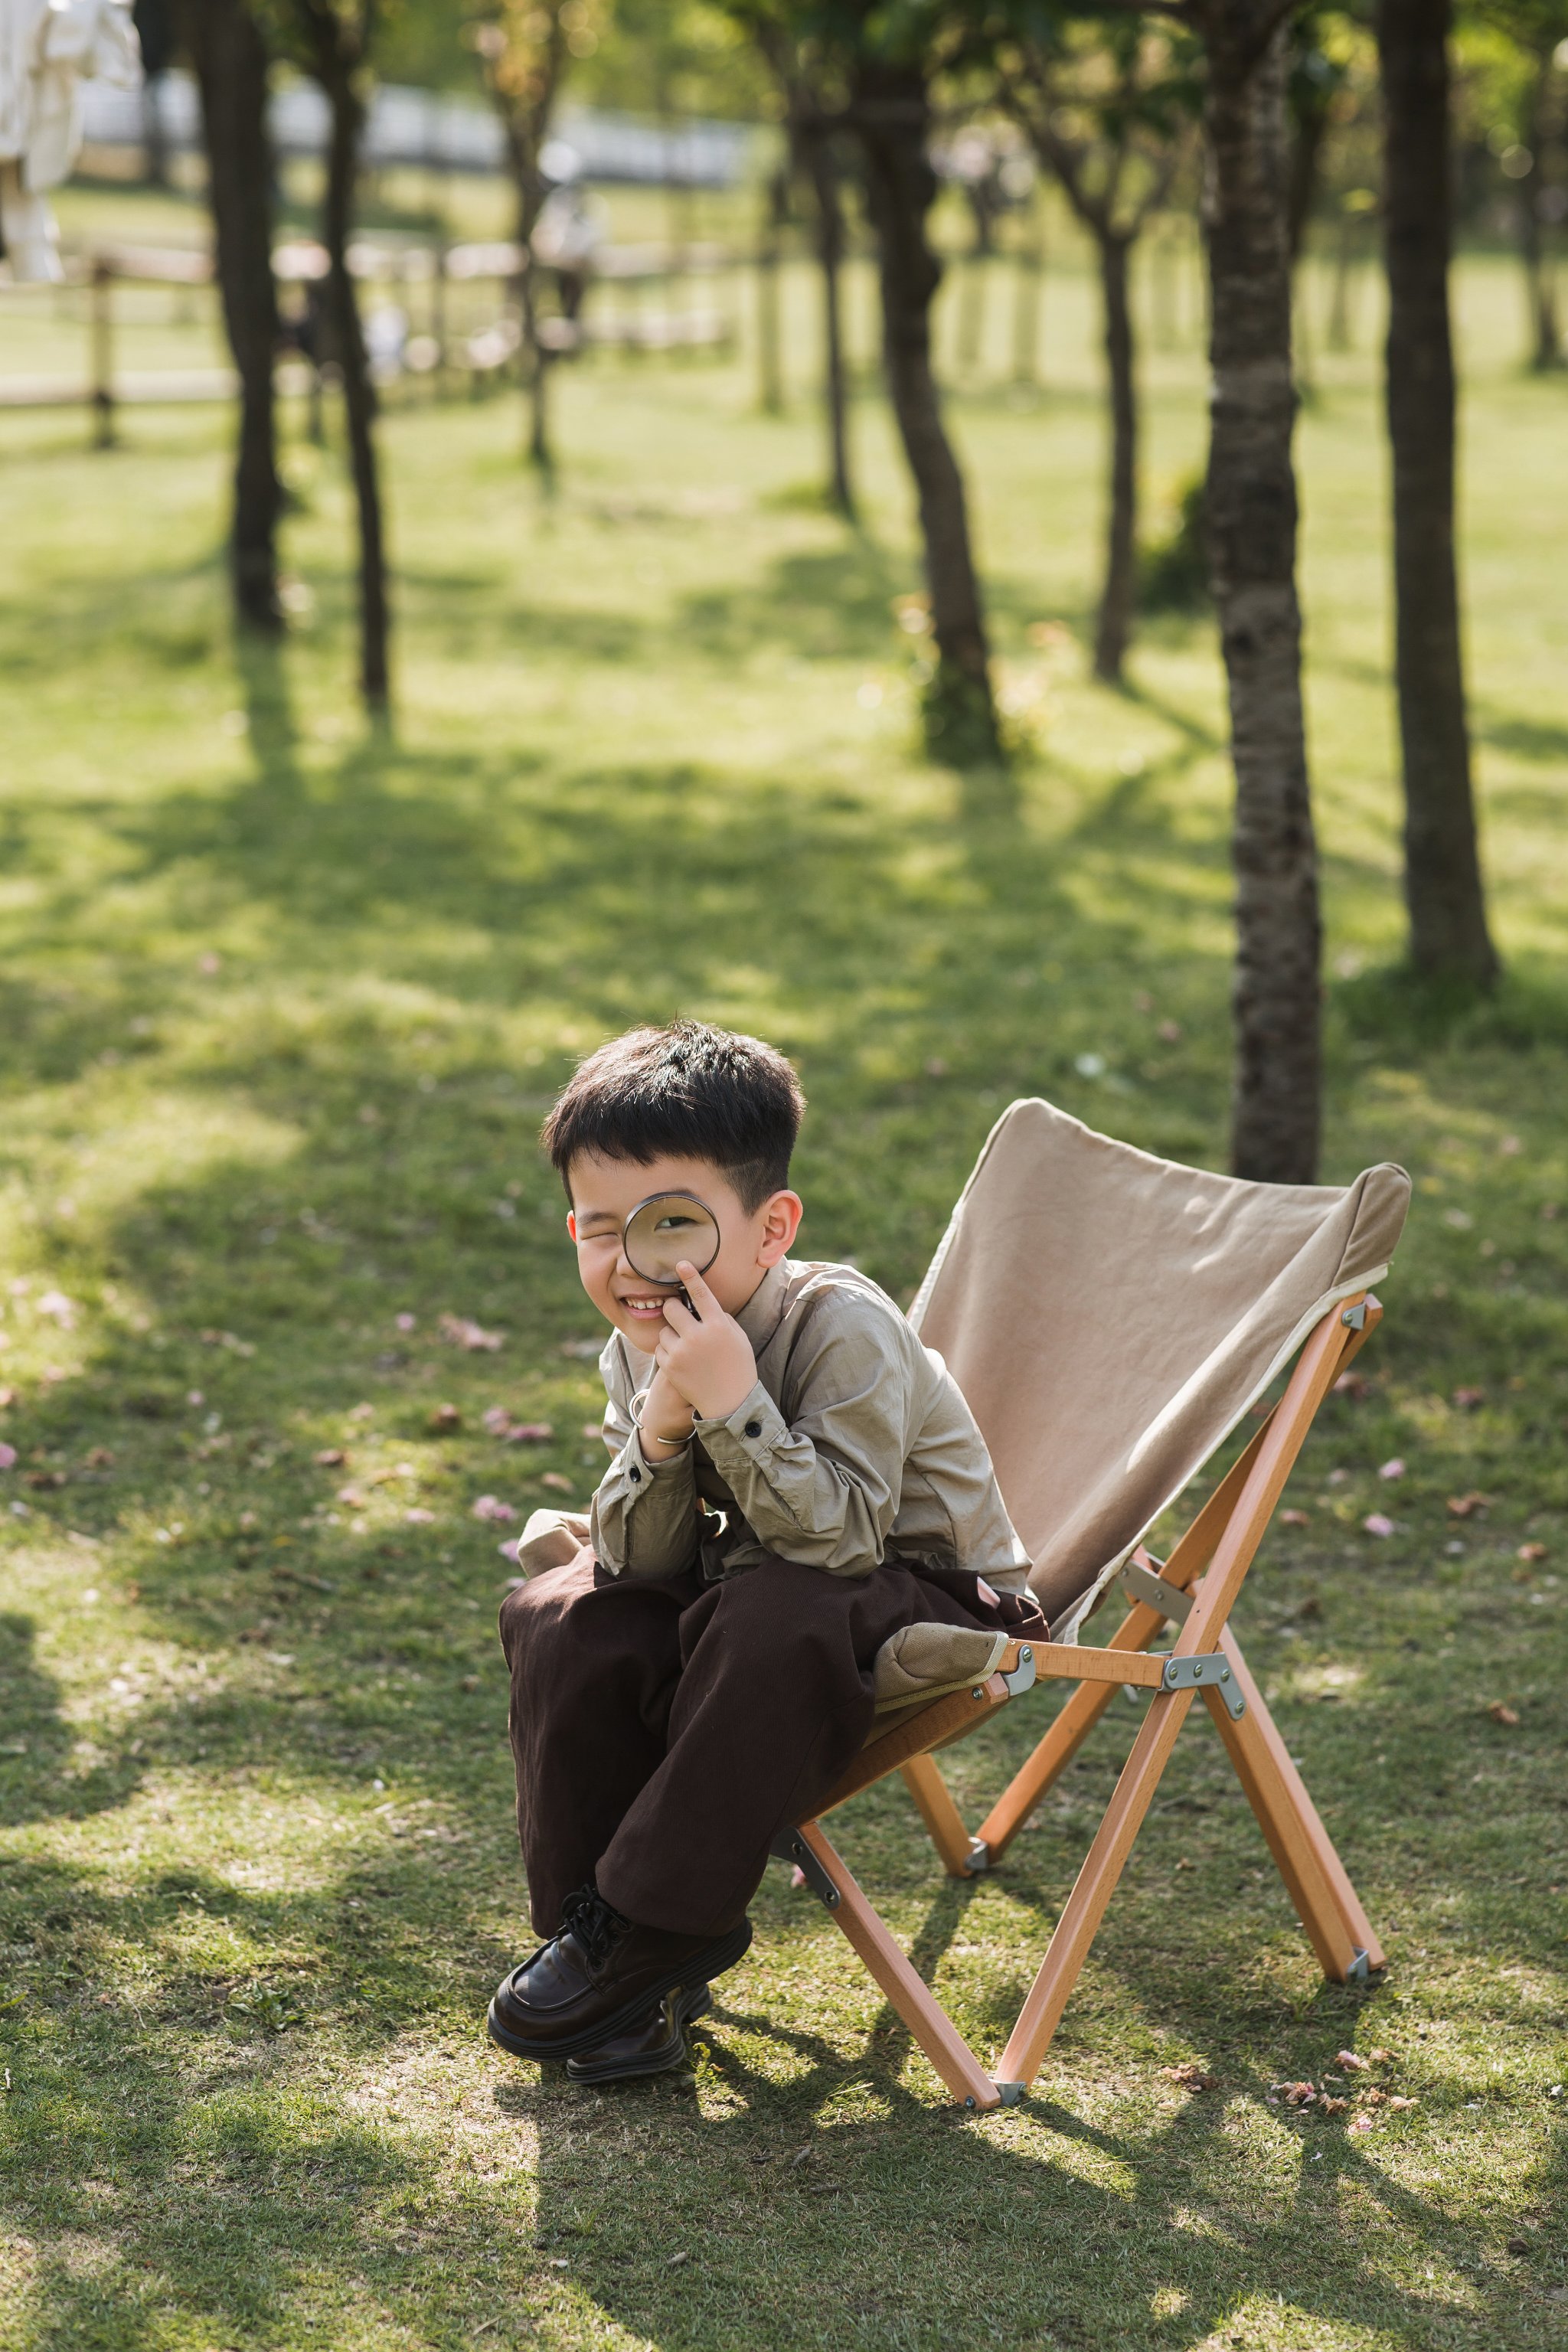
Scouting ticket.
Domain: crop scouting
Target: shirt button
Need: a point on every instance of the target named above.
(753, 1429)
(636, 1475)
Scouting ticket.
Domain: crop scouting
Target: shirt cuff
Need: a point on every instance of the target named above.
(756, 1426)
(639, 1472)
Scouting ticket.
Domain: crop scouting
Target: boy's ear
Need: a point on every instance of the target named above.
(571, 1222)
(781, 1223)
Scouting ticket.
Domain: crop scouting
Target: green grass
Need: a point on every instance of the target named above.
(282, 1004)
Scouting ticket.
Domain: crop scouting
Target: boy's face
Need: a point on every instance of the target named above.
(604, 1195)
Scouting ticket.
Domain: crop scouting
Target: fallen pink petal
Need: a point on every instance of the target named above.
(1394, 1469)
(490, 1507)
(7, 1457)
(1376, 1524)
(464, 1333)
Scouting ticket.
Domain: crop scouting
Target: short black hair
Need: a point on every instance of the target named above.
(689, 1092)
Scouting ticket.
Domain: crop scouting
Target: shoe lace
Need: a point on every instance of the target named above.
(594, 1924)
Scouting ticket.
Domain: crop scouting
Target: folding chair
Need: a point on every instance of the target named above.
(1111, 1318)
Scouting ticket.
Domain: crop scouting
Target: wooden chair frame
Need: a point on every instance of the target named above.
(1196, 1589)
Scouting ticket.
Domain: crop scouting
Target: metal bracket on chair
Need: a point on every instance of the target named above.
(1210, 1671)
(1354, 1317)
(977, 1858)
(1360, 1969)
(1022, 1678)
(1012, 2095)
(790, 1846)
(1141, 1584)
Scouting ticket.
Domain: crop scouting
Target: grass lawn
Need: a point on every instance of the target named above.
(280, 1007)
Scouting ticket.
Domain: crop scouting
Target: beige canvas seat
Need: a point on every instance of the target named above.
(1111, 1318)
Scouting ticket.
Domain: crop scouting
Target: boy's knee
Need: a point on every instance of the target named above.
(532, 1612)
(782, 1608)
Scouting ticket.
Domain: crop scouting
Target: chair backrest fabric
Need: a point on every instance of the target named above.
(1111, 1317)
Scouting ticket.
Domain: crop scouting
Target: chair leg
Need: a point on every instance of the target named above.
(1055, 1752)
(1061, 1743)
(905, 1987)
(1096, 1884)
(1316, 1879)
(923, 1777)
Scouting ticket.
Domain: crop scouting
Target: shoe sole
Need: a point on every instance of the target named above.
(711, 1962)
(693, 2004)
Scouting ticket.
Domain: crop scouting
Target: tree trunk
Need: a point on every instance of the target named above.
(1117, 598)
(1251, 513)
(1031, 269)
(830, 255)
(775, 214)
(1306, 158)
(359, 395)
(891, 111)
(1545, 339)
(524, 139)
(230, 62)
(539, 452)
(1449, 936)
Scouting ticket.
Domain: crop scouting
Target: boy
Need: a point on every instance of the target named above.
(795, 1480)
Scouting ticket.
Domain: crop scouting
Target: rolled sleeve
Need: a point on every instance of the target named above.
(644, 1516)
(825, 1489)
(643, 1519)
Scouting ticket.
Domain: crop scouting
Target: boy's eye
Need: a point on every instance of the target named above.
(674, 1224)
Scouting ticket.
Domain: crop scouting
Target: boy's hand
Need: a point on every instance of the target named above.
(706, 1354)
(665, 1414)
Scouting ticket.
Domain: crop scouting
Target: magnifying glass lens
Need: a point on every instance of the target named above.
(667, 1229)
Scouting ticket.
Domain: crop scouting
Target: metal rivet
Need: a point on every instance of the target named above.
(1025, 1654)
(977, 1692)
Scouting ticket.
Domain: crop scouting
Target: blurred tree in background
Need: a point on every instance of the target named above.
(1109, 108)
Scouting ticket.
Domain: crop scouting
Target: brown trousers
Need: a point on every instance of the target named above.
(666, 1729)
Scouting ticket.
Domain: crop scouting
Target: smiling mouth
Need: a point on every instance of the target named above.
(644, 1305)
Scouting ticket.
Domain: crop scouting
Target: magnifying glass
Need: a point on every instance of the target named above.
(663, 1230)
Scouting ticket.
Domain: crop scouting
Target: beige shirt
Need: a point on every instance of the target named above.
(854, 1446)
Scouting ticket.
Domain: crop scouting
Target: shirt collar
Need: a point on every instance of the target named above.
(764, 1311)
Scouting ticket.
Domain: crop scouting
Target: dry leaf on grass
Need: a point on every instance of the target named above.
(1191, 2077)
(1353, 1385)
(1532, 1551)
(1506, 1716)
(1327, 2106)
(1469, 1506)
(445, 1416)
(1351, 2062)
(1297, 2095)
(554, 1478)
(1469, 1399)
(351, 1495)
(331, 1457)
(1295, 1518)
(463, 1332)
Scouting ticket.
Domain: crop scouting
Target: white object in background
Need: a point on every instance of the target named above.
(47, 49)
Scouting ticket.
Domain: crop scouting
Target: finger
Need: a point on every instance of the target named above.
(697, 1290)
(678, 1316)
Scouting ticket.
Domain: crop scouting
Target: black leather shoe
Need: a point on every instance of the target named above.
(655, 2045)
(601, 1974)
